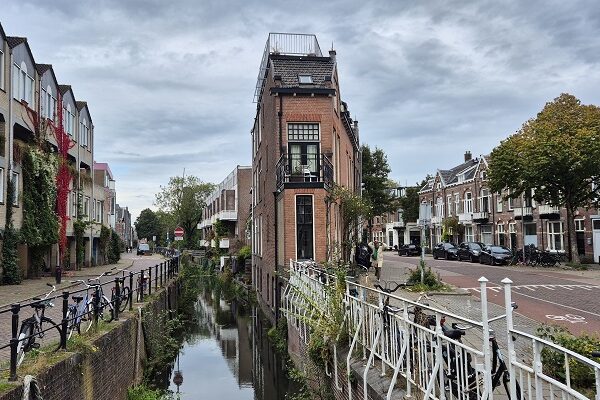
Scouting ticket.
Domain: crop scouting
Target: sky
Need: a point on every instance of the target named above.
(170, 84)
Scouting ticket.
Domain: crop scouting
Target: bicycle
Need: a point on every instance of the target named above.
(33, 326)
(500, 373)
(123, 294)
(102, 303)
(79, 312)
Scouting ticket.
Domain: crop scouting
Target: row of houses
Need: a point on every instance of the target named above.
(462, 192)
(28, 88)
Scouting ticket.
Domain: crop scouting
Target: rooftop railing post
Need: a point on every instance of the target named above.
(130, 291)
(509, 336)
(486, 340)
(14, 341)
(65, 322)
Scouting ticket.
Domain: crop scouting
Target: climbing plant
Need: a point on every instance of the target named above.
(114, 248)
(105, 235)
(40, 222)
(10, 268)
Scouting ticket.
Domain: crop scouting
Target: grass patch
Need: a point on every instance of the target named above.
(143, 392)
(578, 266)
(6, 386)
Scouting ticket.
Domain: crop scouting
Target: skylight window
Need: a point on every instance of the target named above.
(305, 79)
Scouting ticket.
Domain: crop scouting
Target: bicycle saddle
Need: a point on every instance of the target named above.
(77, 298)
(454, 333)
(40, 304)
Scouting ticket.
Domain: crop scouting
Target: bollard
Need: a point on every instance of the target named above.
(130, 291)
(96, 304)
(65, 322)
(14, 341)
(149, 281)
(117, 297)
(161, 274)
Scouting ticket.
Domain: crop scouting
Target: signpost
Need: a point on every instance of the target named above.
(179, 233)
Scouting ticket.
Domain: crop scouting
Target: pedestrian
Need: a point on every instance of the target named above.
(363, 255)
(377, 257)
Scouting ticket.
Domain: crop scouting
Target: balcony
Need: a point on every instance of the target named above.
(398, 225)
(549, 212)
(525, 213)
(304, 170)
(481, 217)
(465, 218)
(224, 215)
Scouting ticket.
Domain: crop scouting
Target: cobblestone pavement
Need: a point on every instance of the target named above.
(546, 295)
(35, 287)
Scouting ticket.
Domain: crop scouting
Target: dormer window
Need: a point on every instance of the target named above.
(305, 79)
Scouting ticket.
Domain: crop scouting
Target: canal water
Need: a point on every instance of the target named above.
(226, 354)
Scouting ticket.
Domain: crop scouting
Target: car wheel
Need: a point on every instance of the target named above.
(448, 256)
(492, 261)
(471, 258)
(435, 257)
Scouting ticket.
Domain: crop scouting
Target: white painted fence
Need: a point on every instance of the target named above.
(422, 359)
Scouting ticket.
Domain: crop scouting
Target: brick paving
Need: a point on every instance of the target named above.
(35, 287)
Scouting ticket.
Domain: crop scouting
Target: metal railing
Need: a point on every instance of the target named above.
(136, 284)
(429, 362)
(304, 168)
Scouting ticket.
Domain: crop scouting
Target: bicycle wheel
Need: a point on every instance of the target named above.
(506, 382)
(45, 321)
(87, 319)
(24, 344)
(106, 312)
(124, 299)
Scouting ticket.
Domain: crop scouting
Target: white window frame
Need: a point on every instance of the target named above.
(439, 207)
(580, 225)
(1, 185)
(457, 203)
(485, 194)
(499, 202)
(2, 67)
(511, 205)
(449, 201)
(468, 203)
(469, 234)
(500, 233)
(15, 178)
(552, 233)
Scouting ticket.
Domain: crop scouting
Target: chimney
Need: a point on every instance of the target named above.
(332, 54)
(356, 130)
(468, 156)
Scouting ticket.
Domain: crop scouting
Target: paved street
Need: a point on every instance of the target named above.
(34, 287)
(549, 295)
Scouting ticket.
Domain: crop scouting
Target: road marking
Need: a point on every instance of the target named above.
(533, 288)
(572, 318)
(560, 305)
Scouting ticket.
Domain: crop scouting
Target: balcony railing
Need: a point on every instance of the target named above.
(481, 216)
(303, 169)
(465, 217)
(548, 210)
(521, 212)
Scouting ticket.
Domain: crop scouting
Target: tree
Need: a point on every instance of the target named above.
(184, 198)
(114, 248)
(409, 203)
(556, 154)
(376, 189)
(147, 224)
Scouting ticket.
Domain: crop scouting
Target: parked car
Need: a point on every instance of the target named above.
(495, 255)
(409, 250)
(445, 250)
(143, 248)
(470, 251)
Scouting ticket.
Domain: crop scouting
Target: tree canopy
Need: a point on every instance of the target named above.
(376, 185)
(184, 198)
(147, 225)
(557, 154)
(409, 203)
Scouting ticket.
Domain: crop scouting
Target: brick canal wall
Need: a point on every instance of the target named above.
(107, 370)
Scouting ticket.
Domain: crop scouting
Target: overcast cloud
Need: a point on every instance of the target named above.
(170, 83)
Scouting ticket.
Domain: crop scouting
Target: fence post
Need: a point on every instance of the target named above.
(65, 322)
(130, 291)
(96, 304)
(156, 277)
(14, 341)
(141, 286)
(509, 337)
(117, 304)
(149, 281)
(486, 340)
(161, 273)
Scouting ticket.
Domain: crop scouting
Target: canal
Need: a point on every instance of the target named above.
(225, 353)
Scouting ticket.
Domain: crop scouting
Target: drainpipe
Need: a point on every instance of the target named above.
(280, 115)
(277, 294)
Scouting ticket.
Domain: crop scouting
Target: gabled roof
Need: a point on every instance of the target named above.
(64, 89)
(2, 31)
(43, 68)
(14, 41)
(289, 67)
(81, 105)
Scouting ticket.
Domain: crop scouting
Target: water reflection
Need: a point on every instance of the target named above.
(226, 354)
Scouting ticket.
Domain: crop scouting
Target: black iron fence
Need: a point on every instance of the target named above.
(124, 287)
(304, 168)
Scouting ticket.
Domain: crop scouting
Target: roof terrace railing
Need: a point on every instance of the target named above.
(295, 44)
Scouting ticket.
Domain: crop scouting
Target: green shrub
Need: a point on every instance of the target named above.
(244, 254)
(582, 376)
(431, 281)
(143, 392)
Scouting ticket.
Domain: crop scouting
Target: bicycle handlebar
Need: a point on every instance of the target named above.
(596, 354)
(388, 290)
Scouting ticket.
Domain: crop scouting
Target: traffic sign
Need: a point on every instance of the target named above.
(178, 238)
(178, 232)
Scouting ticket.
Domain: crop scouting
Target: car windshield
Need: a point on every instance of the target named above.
(499, 249)
(143, 246)
(474, 246)
(448, 246)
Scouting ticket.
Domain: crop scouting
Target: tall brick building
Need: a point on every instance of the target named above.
(487, 217)
(303, 143)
